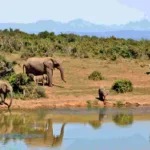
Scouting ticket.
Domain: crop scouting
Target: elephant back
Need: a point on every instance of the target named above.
(35, 65)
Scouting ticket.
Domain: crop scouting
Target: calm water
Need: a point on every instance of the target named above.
(76, 129)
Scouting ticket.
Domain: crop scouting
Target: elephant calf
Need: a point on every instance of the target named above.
(102, 94)
(40, 78)
(5, 88)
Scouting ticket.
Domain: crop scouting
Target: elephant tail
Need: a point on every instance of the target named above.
(24, 68)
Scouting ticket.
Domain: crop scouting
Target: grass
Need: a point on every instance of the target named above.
(92, 104)
(119, 103)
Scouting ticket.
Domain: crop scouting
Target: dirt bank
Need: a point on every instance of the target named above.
(79, 102)
(78, 89)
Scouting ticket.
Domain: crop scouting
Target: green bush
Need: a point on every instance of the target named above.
(30, 45)
(119, 103)
(95, 76)
(122, 86)
(89, 104)
(40, 92)
(18, 81)
(24, 89)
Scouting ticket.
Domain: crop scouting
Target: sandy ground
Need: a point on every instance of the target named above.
(80, 102)
(78, 89)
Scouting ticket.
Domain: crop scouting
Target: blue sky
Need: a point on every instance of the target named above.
(95, 11)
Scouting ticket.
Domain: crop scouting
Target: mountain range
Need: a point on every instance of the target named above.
(137, 29)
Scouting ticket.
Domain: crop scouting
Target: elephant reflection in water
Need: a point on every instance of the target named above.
(6, 124)
(97, 123)
(10, 124)
(49, 139)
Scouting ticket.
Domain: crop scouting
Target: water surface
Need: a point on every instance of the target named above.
(76, 129)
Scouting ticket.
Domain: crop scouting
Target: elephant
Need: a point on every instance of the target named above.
(102, 94)
(39, 78)
(5, 88)
(40, 66)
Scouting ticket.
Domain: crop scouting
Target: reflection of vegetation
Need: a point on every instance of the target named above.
(97, 123)
(41, 114)
(19, 126)
(123, 119)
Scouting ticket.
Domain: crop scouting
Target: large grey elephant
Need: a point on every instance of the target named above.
(5, 88)
(40, 66)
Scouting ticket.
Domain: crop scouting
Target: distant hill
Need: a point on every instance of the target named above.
(135, 30)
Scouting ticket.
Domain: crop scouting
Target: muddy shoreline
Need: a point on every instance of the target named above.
(76, 103)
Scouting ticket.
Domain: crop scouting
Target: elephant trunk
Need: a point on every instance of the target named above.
(61, 73)
(10, 99)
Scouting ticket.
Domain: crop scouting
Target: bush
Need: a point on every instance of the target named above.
(18, 81)
(23, 87)
(95, 76)
(122, 86)
(6, 68)
(40, 92)
(89, 104)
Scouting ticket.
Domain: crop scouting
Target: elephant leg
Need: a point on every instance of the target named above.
(3, 101)
(49, 74)
(52, 72)
(43, 82)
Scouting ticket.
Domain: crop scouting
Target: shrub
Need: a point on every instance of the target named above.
(18, 81)
(40, 92)
(33, 91)
(95, 76)
(6, 68)
(119, 103)
(30, 91)
(89, 104)
(122, 86)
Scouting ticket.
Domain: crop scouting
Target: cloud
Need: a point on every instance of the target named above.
(96, 11)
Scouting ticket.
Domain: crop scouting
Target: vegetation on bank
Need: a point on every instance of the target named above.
(47, 44)
(22, 85)
(122, 86)
(95, 75)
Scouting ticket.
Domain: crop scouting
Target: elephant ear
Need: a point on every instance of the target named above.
(4, 87)
(48, 64)
(56, 64)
